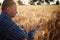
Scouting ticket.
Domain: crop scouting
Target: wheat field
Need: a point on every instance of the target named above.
(28, 18)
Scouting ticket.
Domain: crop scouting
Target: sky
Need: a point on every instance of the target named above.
(1, 1)
(24, 1)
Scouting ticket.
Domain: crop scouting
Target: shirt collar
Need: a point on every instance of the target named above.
(5, 15)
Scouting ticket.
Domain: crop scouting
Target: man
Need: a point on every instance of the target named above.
(10, 30)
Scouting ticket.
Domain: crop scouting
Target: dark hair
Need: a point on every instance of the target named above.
(7, 3)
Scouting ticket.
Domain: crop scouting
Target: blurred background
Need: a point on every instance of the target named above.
(31, 11)
(36, 2)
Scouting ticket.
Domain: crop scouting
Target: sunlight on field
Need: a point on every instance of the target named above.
(0, 9)
(28, 17)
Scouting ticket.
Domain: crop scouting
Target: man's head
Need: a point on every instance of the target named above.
(9, 7)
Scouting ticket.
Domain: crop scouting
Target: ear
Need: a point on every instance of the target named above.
(7, 9)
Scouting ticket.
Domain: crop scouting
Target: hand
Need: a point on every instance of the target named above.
(41, 21)
(33, 32)
(37, 28)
